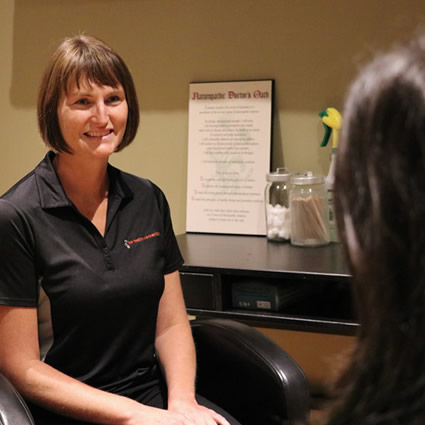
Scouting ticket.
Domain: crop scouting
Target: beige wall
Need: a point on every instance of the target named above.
(311, 48)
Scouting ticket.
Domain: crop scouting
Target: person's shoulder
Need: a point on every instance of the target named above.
(133, 180)
(139, 186)
(10, 215)
(7, 208)
(23, 193)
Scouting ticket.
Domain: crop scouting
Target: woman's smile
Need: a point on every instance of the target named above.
(98, 134)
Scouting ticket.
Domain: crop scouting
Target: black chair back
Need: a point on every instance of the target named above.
(247, 374)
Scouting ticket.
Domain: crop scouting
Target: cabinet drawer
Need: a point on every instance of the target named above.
(198, 290)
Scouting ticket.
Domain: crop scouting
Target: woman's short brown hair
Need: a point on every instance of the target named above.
(82, 57)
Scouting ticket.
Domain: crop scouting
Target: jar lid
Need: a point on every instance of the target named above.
(280, 175)
(307, 177)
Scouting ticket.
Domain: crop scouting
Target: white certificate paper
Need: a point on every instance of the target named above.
(229, 148)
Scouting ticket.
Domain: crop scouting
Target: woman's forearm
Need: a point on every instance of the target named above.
(66, 396)
(177, 357)
(174, 342)
(176, 352)
(48, 387)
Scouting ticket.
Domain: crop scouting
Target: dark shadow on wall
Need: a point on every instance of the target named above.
(311, 49)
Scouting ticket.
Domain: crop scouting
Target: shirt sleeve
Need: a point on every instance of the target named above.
(18, 277)
(171, 251)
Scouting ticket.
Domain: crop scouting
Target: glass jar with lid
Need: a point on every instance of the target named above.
(309, 210)
(276, 197)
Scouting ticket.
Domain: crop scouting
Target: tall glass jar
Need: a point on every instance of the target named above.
(277, 205)
(309, 210)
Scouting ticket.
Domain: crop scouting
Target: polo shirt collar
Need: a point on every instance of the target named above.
(52, 194)
(117, 185)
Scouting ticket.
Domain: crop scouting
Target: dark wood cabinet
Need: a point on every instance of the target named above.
(311, 286)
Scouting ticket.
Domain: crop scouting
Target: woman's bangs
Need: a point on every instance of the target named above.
(94, 72)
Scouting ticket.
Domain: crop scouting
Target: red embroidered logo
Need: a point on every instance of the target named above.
(128, 243)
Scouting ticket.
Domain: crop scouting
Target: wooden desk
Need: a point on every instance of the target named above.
(213, 263)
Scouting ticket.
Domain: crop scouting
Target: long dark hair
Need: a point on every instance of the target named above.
(380, 208)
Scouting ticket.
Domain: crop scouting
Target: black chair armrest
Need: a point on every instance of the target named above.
(247, 374)
(13, 409)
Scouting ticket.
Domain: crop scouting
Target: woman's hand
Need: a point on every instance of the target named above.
(194, 413)
(178, 413)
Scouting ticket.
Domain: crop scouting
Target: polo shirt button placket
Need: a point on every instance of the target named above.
(108, 258)
(109, 262)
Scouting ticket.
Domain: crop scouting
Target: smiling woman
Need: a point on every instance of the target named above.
(69, 281)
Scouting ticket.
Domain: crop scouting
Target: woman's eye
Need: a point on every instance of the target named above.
(114, 99)
(82, 102)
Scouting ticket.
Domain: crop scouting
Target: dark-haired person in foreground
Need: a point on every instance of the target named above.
(380, 207)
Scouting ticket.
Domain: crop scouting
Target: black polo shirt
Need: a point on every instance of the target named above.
(97, 296)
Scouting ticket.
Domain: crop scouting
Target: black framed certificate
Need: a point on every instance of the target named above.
(229, 149)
